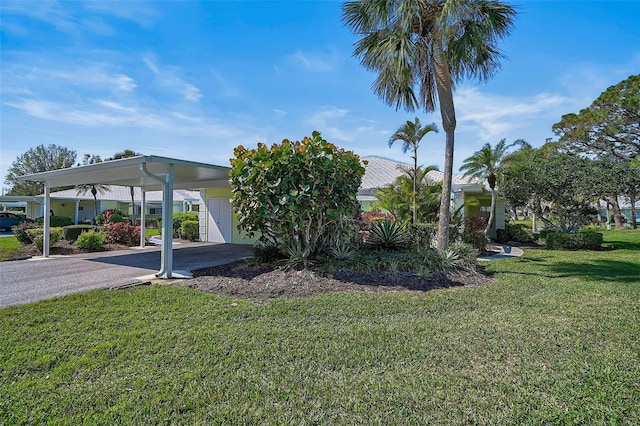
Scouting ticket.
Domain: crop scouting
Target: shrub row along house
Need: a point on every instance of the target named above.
(213, 204)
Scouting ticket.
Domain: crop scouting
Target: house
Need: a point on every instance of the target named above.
(468, 196)
(82, 206)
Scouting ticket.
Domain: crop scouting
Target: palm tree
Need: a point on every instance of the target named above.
(394, 197)
(94, 188)
(425, 46)
(485, 164)
(411, 133)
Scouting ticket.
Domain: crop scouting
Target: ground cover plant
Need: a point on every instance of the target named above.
(554, 339)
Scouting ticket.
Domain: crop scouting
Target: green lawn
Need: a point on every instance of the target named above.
(556, 340)
(8, 247)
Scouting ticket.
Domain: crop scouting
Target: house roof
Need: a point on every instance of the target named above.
(135, 171)
(381, 172)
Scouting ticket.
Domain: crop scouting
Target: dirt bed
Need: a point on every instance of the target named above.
(241, 279)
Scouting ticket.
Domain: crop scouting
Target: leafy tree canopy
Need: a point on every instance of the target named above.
(36, 160)
(294, 193)
(609, 126)
(560, 188)
(127, 153)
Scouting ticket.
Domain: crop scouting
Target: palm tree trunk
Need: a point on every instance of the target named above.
(492, 215)
(415, 186)
(448, 113)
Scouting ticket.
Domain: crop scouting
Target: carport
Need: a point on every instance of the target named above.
(150, 173)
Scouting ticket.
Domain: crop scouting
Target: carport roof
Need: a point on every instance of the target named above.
(129, 172)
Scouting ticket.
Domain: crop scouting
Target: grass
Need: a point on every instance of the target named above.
(555, 340)
(150, 232)
(8, 247)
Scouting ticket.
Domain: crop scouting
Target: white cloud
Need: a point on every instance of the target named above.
(318, 62)
(168, 77)
(494, 117)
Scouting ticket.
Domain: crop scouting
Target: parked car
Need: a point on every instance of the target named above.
(7, 220)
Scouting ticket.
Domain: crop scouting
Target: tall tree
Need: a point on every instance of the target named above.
(485, 165)
(411, 133)
(36, 160)
(424, 47)
(609, 126)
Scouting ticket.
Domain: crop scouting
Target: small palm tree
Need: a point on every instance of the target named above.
(420, 49)
(485, 164)
(411, 133)
(94, 188)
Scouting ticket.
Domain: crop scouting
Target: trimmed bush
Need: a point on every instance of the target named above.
(71, 233)
(90, 240)
(190, 230)
(178, 218)
(56, 221)
(517, 232)
(37, 236)
(121, 233)
(586, 240)
(116, 218)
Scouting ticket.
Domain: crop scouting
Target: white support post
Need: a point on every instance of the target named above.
(77, 212)
(47, 220)
(167, 223)
(143, 218)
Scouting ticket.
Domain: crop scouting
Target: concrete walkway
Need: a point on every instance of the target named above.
(502, 251)
(38, 278)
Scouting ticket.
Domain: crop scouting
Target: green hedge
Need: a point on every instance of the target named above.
(586, 240)
(517, 232)
(56, 221)
(91, 240)
(71, 233)
(178, 218)
(190, 230)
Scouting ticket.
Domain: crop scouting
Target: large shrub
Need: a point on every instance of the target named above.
(190, 230)
(90, 240)
(72, 232)
(587, 240)
(121, 233)
(178, 219)
(293, 193)
(37, 236)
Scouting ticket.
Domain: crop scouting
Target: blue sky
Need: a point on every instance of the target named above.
(192, 80)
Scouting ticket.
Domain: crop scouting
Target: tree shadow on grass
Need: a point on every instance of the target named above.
(624, 245)
(600, 270)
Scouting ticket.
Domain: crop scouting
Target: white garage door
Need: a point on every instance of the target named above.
(219, 220)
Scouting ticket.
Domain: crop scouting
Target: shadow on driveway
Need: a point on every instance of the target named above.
(185, 258)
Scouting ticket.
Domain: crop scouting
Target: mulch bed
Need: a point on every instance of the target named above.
(264, 282)
(62, 247)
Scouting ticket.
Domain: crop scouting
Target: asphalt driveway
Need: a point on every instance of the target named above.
(26, 281)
